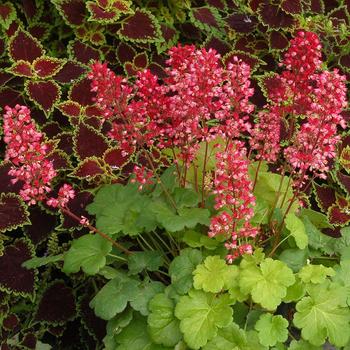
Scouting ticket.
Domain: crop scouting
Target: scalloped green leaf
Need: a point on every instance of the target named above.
(272, 329)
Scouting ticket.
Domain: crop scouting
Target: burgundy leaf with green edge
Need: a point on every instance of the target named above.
(325, 196)
(70, 108)
(60, 160)
(141, 61)
(57, 304)
(11, 31)
(190, 31)
(97, 38)
(251, 60)
(10, 322)
(272, 86)
(23, 46)
(88, 169)
(130, 69)
(10, 97)
(6, 184)
(278, 40)
(97, 13)
(65, 142)
(241, 23)
(89, 142)
(218, 45)
(125, 52)
(13, 277)
(13, 212)
(115, 158)
(5, 78)
(95, 325)
(95, 122)
(338, 216)
(73, 11)
(29, 341)
(344, 61)
(46, 67)
(93, 111)
(70, 72)
(42, 225)
(274, 17)
(344, 181)
(31, 9)
(292, 6)
(83, 52)
(21, 68)
(77, 206)
(81, 93)
(141, 26)
(317, 6)
(7, 14)
(43, 93)
(39, 31)
(206, 18)
(219, 4)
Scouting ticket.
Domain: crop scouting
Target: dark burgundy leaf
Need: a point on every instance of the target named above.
(325, 196)
(81, 93)
(168, 33)
(99, 14)
(5, 78)
(292, 6)
(70, 108)
(24, 47)
(13, 212)
(205, 17)
(273, 16)
(278, 40)
(94, 122)
(344, 181)
(42, 224)
(30, 8)
(130, 69)
(251, 60)
(344, 61)
(273, 87)
(44, 93)
(70, 72)
(219, 45)
(84, 53)
(94, 111)
(10, 97)
(241, 23)
(89, 142)
(12, 28)
(65, 142)
(59, 159)
(125, 52)
(57, 304)
(29, 341)
(77, 206)
(73, 11)
(338, 216)
(10, 322)
(87, 169)
(141, 26)
(47, 66)
(95, 325)
(13, 277)
(21, 68)
(317, 6)
(190, 31)
(114, 157)
(219, 4)
(39, 31)
(51, 129)
(157, 70)
(141, 60)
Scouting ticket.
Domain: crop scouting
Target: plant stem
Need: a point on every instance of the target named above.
(204, 171)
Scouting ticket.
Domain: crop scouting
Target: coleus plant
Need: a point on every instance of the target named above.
(203, 236)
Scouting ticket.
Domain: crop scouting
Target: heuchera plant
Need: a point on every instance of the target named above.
(208, 238)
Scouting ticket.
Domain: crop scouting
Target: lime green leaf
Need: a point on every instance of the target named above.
(135, 337)
(122, 210)
(303, 345)
(315, 273)
(168, 180)
(342, 277)
(41, 261)
(185, 197)
(114, 296)
(201, 314)
(181, 269)
(163, 326)
(196, 239)
(320, 316)
(145, 292)
(295, 292)
(87, 252)
(139, 261)
(234, 338)
(272, 329)
(214, 274)
(297, 230)
(267, 284)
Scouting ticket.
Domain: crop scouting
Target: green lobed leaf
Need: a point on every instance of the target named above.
(181, 269)
(315, 273)
(342, 277)
(303, 345)
(268, 283)
(201, 315)
(214, 274)
(88, 253)
(149, 260)
(41, 261)
(297, 229)
(114, 296)
(196, 239)
(272, 329)
(163, 326)
(294, 258)
(320, 316)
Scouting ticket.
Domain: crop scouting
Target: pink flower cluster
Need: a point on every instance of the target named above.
(233, 190)
(27, 150)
